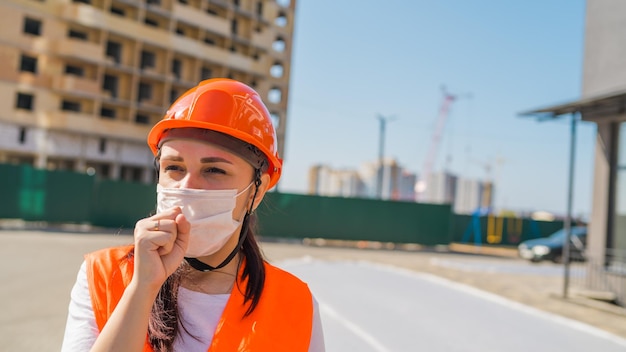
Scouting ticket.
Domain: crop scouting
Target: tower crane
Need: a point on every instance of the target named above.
(422, 184)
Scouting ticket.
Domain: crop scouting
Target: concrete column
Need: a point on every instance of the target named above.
(149, 173)
(80, 164)
(41, 141)
(600, 207)
(115, 170)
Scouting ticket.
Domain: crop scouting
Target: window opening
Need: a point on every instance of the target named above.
(74, 70)
(22, 135)
(32, 26)
(118, 11)
(176, 68)
(67, 105)
(142, 119)
(72, 33)
(145, 92)
(147, 59)
(114, 50)
(24, 101)
(107, 113)
(110, 84)
(103, 146)
(28, 64)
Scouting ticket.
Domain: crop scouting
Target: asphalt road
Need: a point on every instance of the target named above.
(370, 307)
(38, 269)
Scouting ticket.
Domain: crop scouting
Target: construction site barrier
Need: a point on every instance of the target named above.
(69, 197)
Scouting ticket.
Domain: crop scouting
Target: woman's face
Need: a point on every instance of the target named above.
(199, 165)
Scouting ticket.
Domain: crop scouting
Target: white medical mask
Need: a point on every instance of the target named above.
(210, 213)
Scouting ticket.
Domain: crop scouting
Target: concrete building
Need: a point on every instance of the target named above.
(84, 80)
(398, 184)
(441, 188)
(603, 101)
(472, 195)
(369, 175)
(387, 181)
(406, 186)
(388, 174)
(326, 181)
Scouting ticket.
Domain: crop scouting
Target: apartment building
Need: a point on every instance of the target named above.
(326, 181)
(473, 195)
(83, 81)
(386, 181)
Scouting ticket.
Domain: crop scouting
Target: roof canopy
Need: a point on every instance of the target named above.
(589, 108)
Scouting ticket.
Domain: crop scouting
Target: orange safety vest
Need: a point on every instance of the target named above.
(282, 320)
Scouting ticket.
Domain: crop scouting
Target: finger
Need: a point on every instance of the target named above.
(183, 229)
(182, 224)
(156, 233)
(169, 213)
(155, 240)
(166, 248)
(154, 225)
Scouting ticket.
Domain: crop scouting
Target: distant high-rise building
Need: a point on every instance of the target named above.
(473, 195)
(84, 80)
(389, 173)
(441, 188)
(325, 181)
(369, 176)
(466, 196)
(384, 181)
(406, 186)
(397, 183)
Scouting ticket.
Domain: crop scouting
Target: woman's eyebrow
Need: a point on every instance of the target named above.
(172, 158)
(215, 159)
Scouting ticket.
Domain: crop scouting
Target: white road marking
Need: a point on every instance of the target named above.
(329, 312)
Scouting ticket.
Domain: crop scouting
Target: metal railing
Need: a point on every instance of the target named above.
(604, 277)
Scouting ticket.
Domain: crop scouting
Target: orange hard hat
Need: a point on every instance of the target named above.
(228, 107)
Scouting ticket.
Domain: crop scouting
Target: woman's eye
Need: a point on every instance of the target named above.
(214, 170)
(173, 168)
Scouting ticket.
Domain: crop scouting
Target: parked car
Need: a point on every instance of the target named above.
(551, 247)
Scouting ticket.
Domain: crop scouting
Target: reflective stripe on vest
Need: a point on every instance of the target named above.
(282, 321)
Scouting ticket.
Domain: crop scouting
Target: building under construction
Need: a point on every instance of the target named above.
(83, 81)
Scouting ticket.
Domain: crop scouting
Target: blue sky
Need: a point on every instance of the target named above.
(356, 59)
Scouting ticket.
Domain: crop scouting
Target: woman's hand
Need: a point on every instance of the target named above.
(160, 244)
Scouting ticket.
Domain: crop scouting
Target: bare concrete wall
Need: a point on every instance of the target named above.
(604, 68)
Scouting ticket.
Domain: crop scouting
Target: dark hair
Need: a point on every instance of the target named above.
(163, 324)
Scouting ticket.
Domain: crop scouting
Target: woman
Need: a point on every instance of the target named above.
(195, 278)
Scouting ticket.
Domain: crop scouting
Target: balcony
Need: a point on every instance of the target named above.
(155, 36)
(26, 79)
(220, 56)
(151, 104)
(201, 19)
(78, 49)
(95, 18)
(35, 80)
(84, 123)
(263, 39)
(76, 85)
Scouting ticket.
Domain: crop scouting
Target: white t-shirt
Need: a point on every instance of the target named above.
(81, 330)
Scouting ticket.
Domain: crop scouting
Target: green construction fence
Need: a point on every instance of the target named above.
(68, 197)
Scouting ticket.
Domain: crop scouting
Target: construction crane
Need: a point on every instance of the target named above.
(422, 184)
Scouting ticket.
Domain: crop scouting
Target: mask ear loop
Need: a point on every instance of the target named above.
(200, 266)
